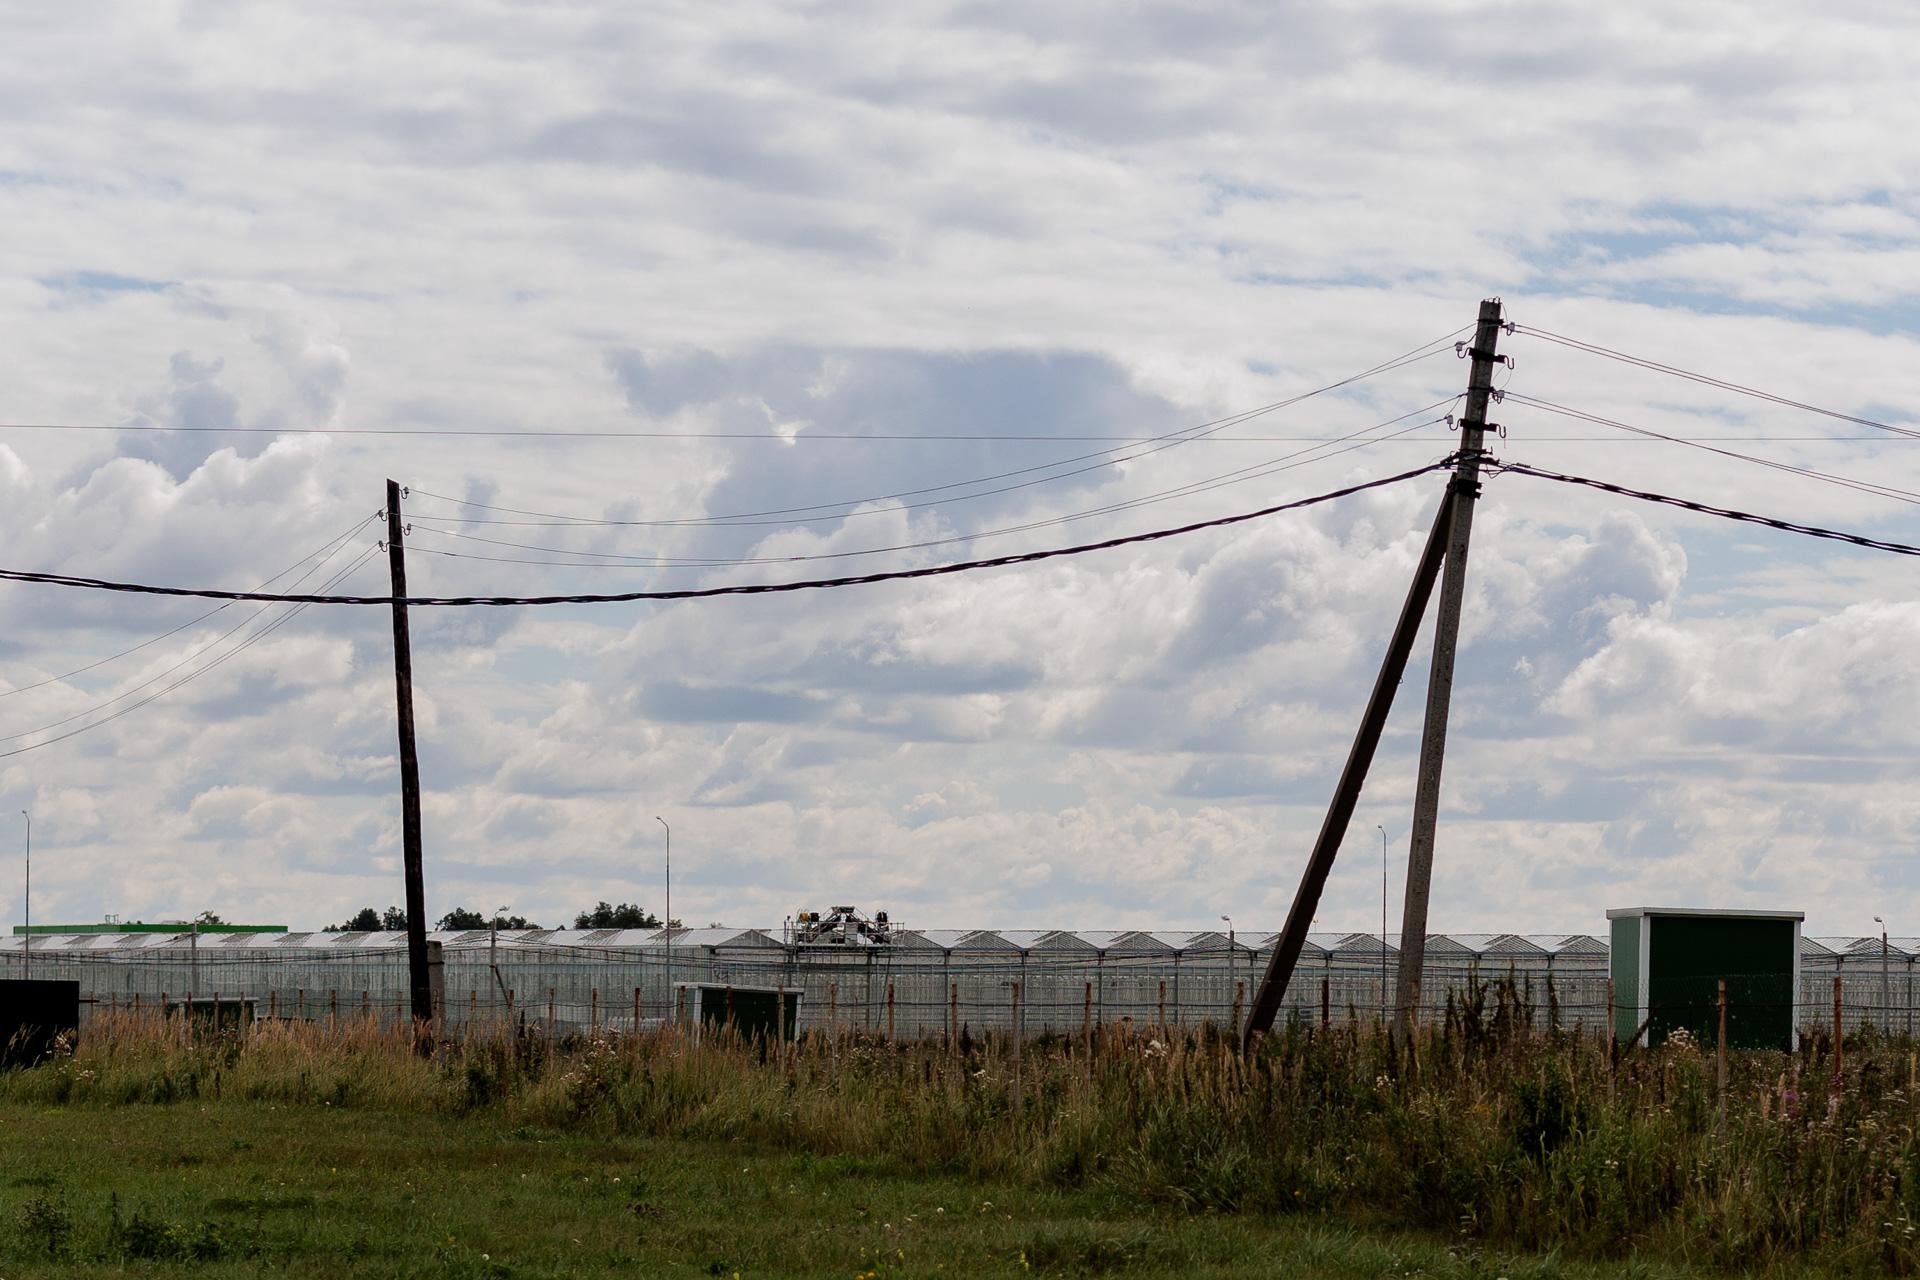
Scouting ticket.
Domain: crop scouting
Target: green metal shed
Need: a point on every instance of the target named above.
(754, 1013)
(1668, 963)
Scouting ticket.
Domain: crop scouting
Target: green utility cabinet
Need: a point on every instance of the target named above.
(1668, 963)
(754, 1013)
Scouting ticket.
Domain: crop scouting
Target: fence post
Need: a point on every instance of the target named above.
(593, 1011)
(1019, 1085)
(1086, 1018)
(1326, 1002)
(1720, 1061)
(1613, 1042)
(1239, 1002)
(1163, 1006)
(333, 1008)
(273, 1004)
(552, 1011)
(1839, 1034)
(473, 1007)
(889, 1008)
(636, 1011)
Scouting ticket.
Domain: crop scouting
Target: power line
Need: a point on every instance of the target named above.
(1826, 477)
(190, 656)
(191, 622)
(534, 433)
(604, 559)
(700, 593)
(1161, 443)
(903, 437)
(1725, 513)
(240, 648)
(1722, 384)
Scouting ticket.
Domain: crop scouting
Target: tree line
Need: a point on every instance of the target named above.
(603, 915)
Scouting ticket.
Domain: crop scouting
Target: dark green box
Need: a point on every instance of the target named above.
(1668, 964)
(754, 1013)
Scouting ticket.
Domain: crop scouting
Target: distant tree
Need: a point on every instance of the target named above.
(461, 918)
(607, 916)
(393, 918)
(365, 920)
(207, 917)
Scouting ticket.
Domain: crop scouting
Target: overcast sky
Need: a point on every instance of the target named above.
(740, 233)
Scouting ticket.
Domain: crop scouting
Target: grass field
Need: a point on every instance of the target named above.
(1483, 1149)
(232, 1188)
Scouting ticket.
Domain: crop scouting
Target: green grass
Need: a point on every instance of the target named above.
(1481, 1148)
(242, 1188)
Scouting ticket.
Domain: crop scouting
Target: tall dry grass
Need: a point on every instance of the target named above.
(1481, 1127)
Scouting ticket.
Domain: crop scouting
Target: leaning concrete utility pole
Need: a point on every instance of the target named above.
(418, 978)
(1346, 793)
(1446, 637)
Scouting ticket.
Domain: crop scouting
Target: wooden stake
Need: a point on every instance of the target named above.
(1839, 1035)
(1720, 1062)
(1019, 1085)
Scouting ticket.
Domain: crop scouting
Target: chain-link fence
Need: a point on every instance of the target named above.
(920, 992)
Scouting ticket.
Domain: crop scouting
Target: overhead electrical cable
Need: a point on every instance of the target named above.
(162, 675)
(191, 622)
(536, 433)
(240, 648)
(1722, 384)
(1173, 439)
(1240, 475)
(700, 593)
(1826, 477)
(1705, 508)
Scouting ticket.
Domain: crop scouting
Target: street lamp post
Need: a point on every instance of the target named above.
(1886, 983)
(1232, 964)
(27, 940)
(1383, 918)
(668, 919)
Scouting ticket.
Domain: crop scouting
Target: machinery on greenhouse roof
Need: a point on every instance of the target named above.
(840, 927)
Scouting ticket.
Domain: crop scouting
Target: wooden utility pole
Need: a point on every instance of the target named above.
(418, 978)
(1446, 637)
(1346, 794)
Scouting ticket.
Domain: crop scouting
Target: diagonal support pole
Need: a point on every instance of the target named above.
(1286, 949)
